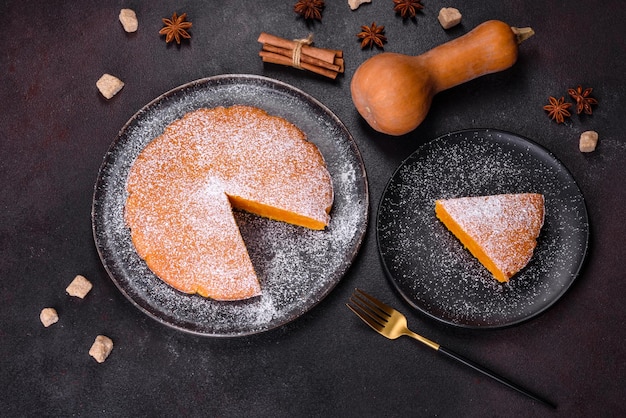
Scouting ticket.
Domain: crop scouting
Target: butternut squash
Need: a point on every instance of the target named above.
(393, 92)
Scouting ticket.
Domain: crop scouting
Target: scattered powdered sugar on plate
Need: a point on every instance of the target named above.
(297, 267)
(430, 267)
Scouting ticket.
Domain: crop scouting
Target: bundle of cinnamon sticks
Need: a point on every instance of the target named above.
(299, 53)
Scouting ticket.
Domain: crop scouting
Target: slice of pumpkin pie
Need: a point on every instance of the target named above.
(500, 231)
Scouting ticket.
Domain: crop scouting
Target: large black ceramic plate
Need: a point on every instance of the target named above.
(429, 266)
(297, 267)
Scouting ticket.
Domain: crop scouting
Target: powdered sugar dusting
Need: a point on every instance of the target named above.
(297, 267)
(505, 226)
(439, 276)
(180, 219)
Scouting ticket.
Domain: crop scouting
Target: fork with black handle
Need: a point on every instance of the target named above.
(392, 324)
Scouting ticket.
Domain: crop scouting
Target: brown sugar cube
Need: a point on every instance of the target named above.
(109, 85)
(101, 348)
(79, 287)
(128, 18)
(449, 17)
(48, 316)
(588, 141)
(354, 4)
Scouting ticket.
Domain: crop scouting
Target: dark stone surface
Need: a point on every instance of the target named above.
(55, 129)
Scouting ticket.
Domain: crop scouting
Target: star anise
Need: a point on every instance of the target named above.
(175, 28)
(309, 9)
(583, 101)
(557, 109)
(407, 8)
(372, 35)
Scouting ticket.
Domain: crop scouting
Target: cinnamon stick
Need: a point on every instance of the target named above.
(300, 54)
(319, 53)
(303, 57)
(339, 62)
(274, 58)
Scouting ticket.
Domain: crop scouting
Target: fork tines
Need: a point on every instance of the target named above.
(372, 311)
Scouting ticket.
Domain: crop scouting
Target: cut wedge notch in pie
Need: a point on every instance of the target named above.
(184, 185)
(500, 231)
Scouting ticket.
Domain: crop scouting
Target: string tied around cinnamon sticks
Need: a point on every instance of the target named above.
(300, 53)
(297, 51)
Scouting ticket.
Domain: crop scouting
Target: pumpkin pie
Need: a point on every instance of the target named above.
(500, 231)
(184, 185)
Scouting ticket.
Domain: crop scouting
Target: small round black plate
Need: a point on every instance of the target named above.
(432, 270)
(297, 267)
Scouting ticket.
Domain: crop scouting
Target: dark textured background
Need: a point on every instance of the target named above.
(55, 129)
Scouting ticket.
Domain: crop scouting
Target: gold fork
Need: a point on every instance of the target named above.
(392, 324)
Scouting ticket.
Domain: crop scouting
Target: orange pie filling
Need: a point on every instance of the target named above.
(501, 231)
(184, 184)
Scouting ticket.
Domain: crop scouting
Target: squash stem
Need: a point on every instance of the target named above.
(521, 34)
